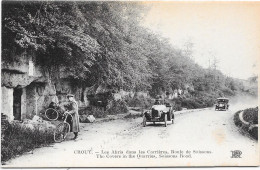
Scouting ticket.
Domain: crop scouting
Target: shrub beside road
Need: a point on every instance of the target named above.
(247, 121)
(18, 139)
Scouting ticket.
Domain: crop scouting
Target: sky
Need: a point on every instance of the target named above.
(227, 31)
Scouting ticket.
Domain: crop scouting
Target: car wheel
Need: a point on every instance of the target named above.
(144, 121)
(165, 120)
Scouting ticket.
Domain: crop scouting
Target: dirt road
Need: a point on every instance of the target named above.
(198, 138)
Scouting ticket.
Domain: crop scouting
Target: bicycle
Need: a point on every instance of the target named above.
(62, 129)
(52, 114)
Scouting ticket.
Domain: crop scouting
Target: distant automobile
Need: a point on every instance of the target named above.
(222, 104)
(160, 112)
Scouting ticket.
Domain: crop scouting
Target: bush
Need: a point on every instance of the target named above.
(139, 101)
(191, 104)
(17, 139)
(250, 115)
(97, 112)
(114, 107)
(117, 107)
(198, 100)
(177, 104)
(228, 92)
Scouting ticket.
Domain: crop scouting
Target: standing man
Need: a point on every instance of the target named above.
(73, 120)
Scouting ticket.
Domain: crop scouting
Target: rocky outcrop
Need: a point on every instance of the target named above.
(86, 119)
(38, 123)
(20, 69)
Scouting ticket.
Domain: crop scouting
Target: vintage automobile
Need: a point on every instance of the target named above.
(222, 104)
(160, 112)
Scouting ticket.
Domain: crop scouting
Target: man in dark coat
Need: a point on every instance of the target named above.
(73, 120)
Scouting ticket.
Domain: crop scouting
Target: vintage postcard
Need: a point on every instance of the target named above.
(129, 83)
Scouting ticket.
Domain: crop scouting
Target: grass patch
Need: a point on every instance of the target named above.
(17, 140)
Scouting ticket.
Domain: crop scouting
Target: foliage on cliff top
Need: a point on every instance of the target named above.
(103, 43)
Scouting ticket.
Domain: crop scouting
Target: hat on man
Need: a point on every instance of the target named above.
(70, 95)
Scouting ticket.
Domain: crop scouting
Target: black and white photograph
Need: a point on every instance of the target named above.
(129, 83)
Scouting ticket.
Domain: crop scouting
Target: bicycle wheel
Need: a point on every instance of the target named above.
(51, 114)
(61, 132)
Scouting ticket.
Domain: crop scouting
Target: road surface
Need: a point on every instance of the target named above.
(197, 138)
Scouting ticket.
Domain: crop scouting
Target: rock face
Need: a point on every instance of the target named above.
(20, 70)
(7, 102)
(28, 89)
(13, 80)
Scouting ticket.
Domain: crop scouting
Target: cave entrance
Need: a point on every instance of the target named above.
(17, 104)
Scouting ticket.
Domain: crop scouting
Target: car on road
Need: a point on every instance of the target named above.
(222, 104)
(160, 112)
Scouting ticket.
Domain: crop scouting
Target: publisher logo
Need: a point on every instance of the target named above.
(236, 154)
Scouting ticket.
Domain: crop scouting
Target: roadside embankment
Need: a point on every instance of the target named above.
(247, 121)
(189, 110)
